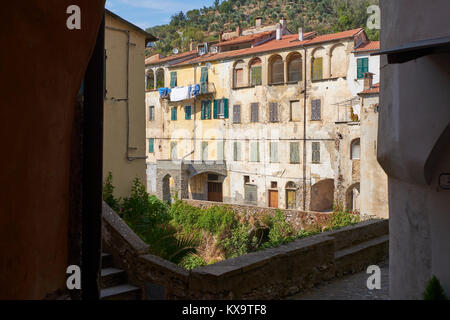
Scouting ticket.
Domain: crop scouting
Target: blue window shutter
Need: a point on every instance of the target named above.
(225, 108)
(215, 109)
(174, 113)
(173, 79)
(151, 145)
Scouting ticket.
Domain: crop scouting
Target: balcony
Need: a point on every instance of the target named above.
(207, 88)
(348, 111)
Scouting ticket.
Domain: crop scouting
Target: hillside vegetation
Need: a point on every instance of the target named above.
(323, 16)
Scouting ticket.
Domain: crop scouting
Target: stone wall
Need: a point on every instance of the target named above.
(299, 219)
(267, 274)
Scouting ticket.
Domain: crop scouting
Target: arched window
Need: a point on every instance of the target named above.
(238, 74)
(150, 80)
(355, 151)
(291, 195)
(295, 68)
(276, 67)
(338, 63)
(160, 83)
(317, 64)
(255, 72)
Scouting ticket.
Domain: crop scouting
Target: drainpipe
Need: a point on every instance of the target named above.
(127, 99)
(304, 130)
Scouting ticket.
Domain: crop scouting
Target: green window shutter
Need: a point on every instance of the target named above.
(204, 76)
(173, 79)
(318, 69)
(360, 67)
(187, 112)
(151, 146)
(215, 109)
(203, 111)
(208, 109)
(256, 76)
(174, 114)
(365, 65)
(225, 109)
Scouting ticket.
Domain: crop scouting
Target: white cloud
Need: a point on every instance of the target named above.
(166, 6)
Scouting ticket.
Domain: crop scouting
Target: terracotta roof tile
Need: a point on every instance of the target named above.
(373, 90)
(246, 38)
(369, 46)
(169, 58)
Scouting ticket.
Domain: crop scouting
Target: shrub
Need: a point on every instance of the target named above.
(434, 290)
(108, 194)
(192, 261)
(217, 220)
(280, 232)
(239, 242)
(341, 218)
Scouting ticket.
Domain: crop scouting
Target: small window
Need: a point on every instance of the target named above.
(273, 112)
(251, 194)
(213, 177)
(160, 82)
(294, 148)
(273, 185)
(256, 72)
(254, 112)
(362, 67)
(276, 70)
(246, 179)
(295, 111)
(237, 114)
(173, 79)
(274, 152)
(205, 109)
(151, 145)
(238, 75)
(316, 113)
(221, 109)
(237, 151)
(295, 68)
(254, 152)
(173, 115)
(355, 149)
(316, 152)
(150, 80)
(187, 112)
(151, 113)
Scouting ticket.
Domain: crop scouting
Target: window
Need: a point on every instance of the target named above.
(187, 112)
(256, 72)
(204, 150)
(355, 149)
(251, 194)
(317, 69)
(206, 109)
(295, 111)
(151, 145)
(294, 152)
(276, 66)
(150, 80)
(237, 114)
(220, 150)
(173, 115)
(315, 152)
(221, 109)
(213, 177)
(273, 184)
(274, 152)
(254, 152)
(295, 68)
(160, 83)
(362, 67)
(173, 151)
(151, 113)
(238, 75)
(273, 112)
(204, 75)
(316, 109)
(237, 156)
(254, 112)
(173, 79)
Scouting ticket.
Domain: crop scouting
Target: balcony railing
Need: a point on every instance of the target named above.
(207, 88)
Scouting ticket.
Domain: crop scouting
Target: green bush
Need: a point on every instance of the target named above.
(434, 290)
(192, 261)
(341, 218)
(108, 194)
(239, 242)
(281, 231)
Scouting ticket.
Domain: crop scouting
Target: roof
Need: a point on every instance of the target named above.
(368, 46)
(287, 41)
(147, 35)
(375, 89)
(170, 58)
(243, 39)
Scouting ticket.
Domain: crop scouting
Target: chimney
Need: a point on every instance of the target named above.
(279, 32)
(220, 36)
(300, 34)
(258, 22)
(238, 30)
(368, 79)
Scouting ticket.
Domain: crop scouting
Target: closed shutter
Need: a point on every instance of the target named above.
(237, 114)
(316, 152)
(251, 193)
(254, 152)
(151, 146)
(316, 109)
(294, 152)
(174, 114)
(274, 152)
(203, 110)
(237, 151)
(256, 76)
(365, 65)
(225, 109)
(204, 75)
(216, 103)
(187, 112)
(238, 78)
(151, 111)
(173, 79)
(220, 150)
(295, 114)
(254, 112)
(273, 112)
(317, 73)
(208, 109)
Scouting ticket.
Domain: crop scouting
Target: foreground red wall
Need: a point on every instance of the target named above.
(42, 64)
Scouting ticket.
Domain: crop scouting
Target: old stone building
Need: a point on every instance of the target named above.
(256, 119)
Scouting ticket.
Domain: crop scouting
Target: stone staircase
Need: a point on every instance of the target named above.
(114, 283)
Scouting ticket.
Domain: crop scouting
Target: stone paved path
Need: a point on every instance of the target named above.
(351, 287)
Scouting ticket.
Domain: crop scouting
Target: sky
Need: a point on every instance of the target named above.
(149, 13)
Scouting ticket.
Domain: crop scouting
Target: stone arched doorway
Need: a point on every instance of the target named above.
(322, 196)
(352, 198)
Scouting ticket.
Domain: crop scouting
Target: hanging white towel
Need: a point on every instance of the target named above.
(179, 94)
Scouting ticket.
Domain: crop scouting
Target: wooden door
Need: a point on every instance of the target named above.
(273, 199)
(215, 192)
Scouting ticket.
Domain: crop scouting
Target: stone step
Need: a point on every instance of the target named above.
(358, 257)
(111, 277)
(122, 292)
(107, 260)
